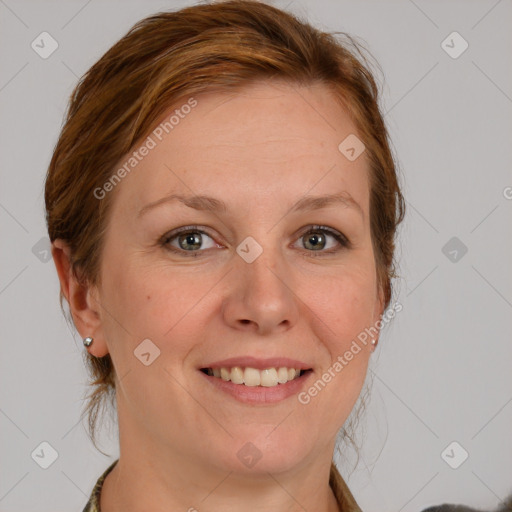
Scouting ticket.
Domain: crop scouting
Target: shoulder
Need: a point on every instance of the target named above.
(450, 508)
(505, 506)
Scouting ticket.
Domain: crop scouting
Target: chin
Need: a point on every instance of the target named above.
(264, 453)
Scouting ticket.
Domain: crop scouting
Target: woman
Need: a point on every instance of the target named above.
(222, 204)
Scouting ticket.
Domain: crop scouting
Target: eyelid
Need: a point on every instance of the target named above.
(342, 240)
(184, 229)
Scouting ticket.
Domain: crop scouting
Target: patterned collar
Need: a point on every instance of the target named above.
(93, 505)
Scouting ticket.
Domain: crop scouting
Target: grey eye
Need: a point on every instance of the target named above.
(190, 241)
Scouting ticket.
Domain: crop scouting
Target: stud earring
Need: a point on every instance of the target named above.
(88, 341)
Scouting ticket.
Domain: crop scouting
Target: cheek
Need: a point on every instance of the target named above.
(151, 302)
(147, 300)
(343, 310)
(345, 303)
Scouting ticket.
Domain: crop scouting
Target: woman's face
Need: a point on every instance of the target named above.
(247, 281)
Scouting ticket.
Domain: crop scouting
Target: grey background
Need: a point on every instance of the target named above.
(442, 372)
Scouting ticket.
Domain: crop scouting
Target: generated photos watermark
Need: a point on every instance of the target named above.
(136, 156)
(343, 360)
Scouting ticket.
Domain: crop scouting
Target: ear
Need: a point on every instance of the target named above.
(378, 311)
(379, 303)
(82, 300)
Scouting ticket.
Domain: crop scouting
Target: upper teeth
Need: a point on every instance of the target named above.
(254, 377)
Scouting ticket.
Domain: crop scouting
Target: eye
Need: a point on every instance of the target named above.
(187, 239)
(316, 239)
(190, 240)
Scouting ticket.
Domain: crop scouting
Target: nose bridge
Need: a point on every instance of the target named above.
(261, 267)
(261, 294)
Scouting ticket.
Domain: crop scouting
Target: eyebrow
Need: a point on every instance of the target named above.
(307, 203)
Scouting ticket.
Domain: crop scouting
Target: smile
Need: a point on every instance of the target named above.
(269, 377)
(252, 386)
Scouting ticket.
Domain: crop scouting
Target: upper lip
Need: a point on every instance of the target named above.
(260, 364)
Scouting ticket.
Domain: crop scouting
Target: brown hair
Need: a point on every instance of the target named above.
(168, 56)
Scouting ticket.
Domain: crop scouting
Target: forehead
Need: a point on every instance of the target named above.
(263, 140)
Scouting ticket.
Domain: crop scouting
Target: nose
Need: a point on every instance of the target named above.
(261, 297)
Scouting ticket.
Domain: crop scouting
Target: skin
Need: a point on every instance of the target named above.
(260, 149)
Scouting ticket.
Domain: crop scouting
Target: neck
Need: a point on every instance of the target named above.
(148, 477)
(158, 474)
(131, 487)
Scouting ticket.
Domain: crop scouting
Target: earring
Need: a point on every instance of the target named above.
(374, 343)
(88, 341)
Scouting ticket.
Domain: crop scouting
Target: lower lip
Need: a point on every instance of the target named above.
(259, 394)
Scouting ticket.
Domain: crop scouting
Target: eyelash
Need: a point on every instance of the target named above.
(341, 239)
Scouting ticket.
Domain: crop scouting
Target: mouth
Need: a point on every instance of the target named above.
(253, 377)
